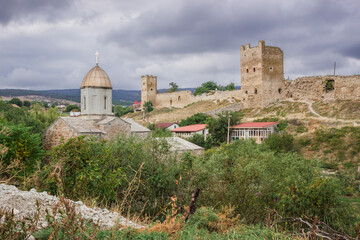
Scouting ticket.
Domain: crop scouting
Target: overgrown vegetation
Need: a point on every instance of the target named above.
(207, 87)
(242, 184)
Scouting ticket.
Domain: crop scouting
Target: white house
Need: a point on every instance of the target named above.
(258, 131)
(190, 130)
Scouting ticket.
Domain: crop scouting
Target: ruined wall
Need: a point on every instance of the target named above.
(177, 99)
(314, 88)
(57, 133)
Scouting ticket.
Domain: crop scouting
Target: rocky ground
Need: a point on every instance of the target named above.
(23, 203)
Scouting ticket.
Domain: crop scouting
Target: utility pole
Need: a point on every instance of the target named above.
(228, 132)
(334, 67)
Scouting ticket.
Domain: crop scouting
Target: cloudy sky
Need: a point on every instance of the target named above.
(50, 44)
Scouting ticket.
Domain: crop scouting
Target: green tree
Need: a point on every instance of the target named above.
(70, 107)
(27, 104)
(230, 87)
(218, 127)
(148, 106)
(24, 149)
(173, 87)
(16, 101)
(121, 111)
(280, 143)
(196, 118)
(207, 87)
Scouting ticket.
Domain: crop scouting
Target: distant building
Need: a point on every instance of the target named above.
(96, 118)
(258, 131)
(188, 131)
(167, 126)
(179, 146)
(137, 106)
(74, 113)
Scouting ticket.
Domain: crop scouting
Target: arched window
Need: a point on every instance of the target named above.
(84, 103)
(279, 90)
(105, 98)
(246, 92)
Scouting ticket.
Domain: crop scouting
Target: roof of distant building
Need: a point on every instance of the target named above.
(80, 125)
(255, 125)
(135, 126)
(190, 128)
(164, 125)
(179, 144)
(136, 102)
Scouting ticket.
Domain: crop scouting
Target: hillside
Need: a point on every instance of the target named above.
(120, 97)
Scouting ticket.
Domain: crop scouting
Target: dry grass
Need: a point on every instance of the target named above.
(176, 114)
(338, 109)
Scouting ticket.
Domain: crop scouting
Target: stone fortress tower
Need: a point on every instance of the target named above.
(96, 93)
(148, 89)
(262, 73)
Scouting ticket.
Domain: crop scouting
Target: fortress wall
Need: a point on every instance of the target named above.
(177, 99)
(181, 99)
(313, 88)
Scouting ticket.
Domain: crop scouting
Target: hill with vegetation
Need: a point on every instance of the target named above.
(300, 184)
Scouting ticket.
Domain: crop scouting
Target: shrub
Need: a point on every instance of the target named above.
(280, 143)
(255, 180)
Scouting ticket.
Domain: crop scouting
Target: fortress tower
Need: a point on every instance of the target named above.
(148, 89)
(262, 73)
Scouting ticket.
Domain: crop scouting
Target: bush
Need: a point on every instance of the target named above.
(280, 143)
(255, 180)
(196, 118)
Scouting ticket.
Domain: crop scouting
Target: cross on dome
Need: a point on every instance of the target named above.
(97, 57)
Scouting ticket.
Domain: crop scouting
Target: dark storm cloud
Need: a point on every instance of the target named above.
(17, 10)
(198, 26)
(52, 43)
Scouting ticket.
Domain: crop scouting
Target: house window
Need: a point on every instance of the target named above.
(105, 102)
(253, 69)
(255, 91)
(84, 103)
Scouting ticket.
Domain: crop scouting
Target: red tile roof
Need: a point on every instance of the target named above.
(164, 125)
(255, 124)
(136, 102)
(190, 128)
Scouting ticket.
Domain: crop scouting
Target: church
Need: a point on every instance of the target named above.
(96, 118)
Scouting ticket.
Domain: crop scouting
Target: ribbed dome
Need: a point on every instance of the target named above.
(96, 77)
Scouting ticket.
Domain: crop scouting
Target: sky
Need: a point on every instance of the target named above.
(51, 44)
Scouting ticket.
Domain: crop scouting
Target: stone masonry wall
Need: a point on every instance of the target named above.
(57, 132)
(313, 88)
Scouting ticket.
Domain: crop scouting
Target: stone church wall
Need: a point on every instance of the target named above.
(57, 133)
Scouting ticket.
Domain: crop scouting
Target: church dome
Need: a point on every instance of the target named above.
(96, 77)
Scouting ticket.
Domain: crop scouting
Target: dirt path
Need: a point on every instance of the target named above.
(311, 109)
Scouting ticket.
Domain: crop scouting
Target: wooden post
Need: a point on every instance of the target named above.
(192, 206)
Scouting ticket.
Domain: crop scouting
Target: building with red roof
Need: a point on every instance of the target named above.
(258, 131)
(136, 105)
(167, 126)
(190, 130)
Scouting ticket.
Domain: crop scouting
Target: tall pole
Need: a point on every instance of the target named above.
(334, 67)
(228, 132)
